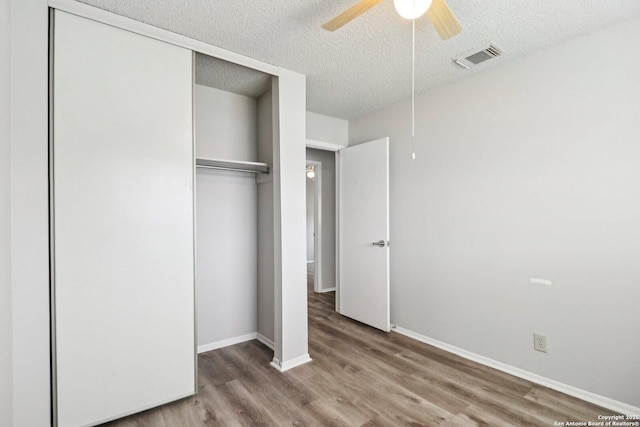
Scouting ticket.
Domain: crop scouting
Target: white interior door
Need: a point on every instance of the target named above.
(122, 222)
(363, 223)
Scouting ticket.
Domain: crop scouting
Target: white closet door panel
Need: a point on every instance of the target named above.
(123, 222)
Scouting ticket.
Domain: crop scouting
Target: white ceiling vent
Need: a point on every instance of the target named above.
(469, 60)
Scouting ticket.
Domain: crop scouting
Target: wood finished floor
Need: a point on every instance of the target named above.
(359, 377)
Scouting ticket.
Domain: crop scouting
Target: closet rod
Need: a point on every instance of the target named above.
(233, 169)
(233, 165)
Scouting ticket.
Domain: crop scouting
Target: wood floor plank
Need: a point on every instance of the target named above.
(340, 411)
(474, 416)
(359, 376)
(566, 404)
(214, 410)
(250, 412)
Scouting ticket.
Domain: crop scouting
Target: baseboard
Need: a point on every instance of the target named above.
(290, 364)
(266, 341)
(596, 399)
(227, 342)
(322, 291)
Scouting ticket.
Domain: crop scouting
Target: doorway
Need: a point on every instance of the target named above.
(314, 223)
(321, 219)
(370, 250)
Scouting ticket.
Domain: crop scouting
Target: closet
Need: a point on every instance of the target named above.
(176, 212)
(233, 116)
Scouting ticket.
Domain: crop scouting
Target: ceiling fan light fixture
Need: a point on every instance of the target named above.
(411, 9)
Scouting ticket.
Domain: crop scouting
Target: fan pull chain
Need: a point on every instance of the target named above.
(413, 89)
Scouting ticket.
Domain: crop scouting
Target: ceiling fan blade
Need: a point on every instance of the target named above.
(350, 14)
(443, 19)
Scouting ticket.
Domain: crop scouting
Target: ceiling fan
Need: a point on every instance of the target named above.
(437, 11)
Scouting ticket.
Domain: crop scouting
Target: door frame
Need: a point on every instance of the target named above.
(337, 154)
(317, 225)
(335, 148)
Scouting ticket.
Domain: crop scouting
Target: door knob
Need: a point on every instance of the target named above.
(381, 243)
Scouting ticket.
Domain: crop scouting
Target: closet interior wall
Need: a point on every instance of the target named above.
(266, 230)
(234, 216)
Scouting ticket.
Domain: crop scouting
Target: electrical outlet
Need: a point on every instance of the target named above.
(540, 343)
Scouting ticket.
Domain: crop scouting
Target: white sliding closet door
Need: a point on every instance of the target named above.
(122, 222)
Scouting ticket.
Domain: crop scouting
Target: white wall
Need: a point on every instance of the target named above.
(327, 129)
(291, 330)
(266, 273)
(282, 290)
(311, 194)
(225, 125)
(6, 382)
(29, 212)
(328, 215)
(226, 218)
(226, 262)
(529, 170)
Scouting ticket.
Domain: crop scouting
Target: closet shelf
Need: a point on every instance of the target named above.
(233, 165)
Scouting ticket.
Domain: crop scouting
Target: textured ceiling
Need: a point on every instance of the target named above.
(366, 65)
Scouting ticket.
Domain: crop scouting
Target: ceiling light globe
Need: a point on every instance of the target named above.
(411, 9)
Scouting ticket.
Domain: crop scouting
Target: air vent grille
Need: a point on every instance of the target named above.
(475, 58)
